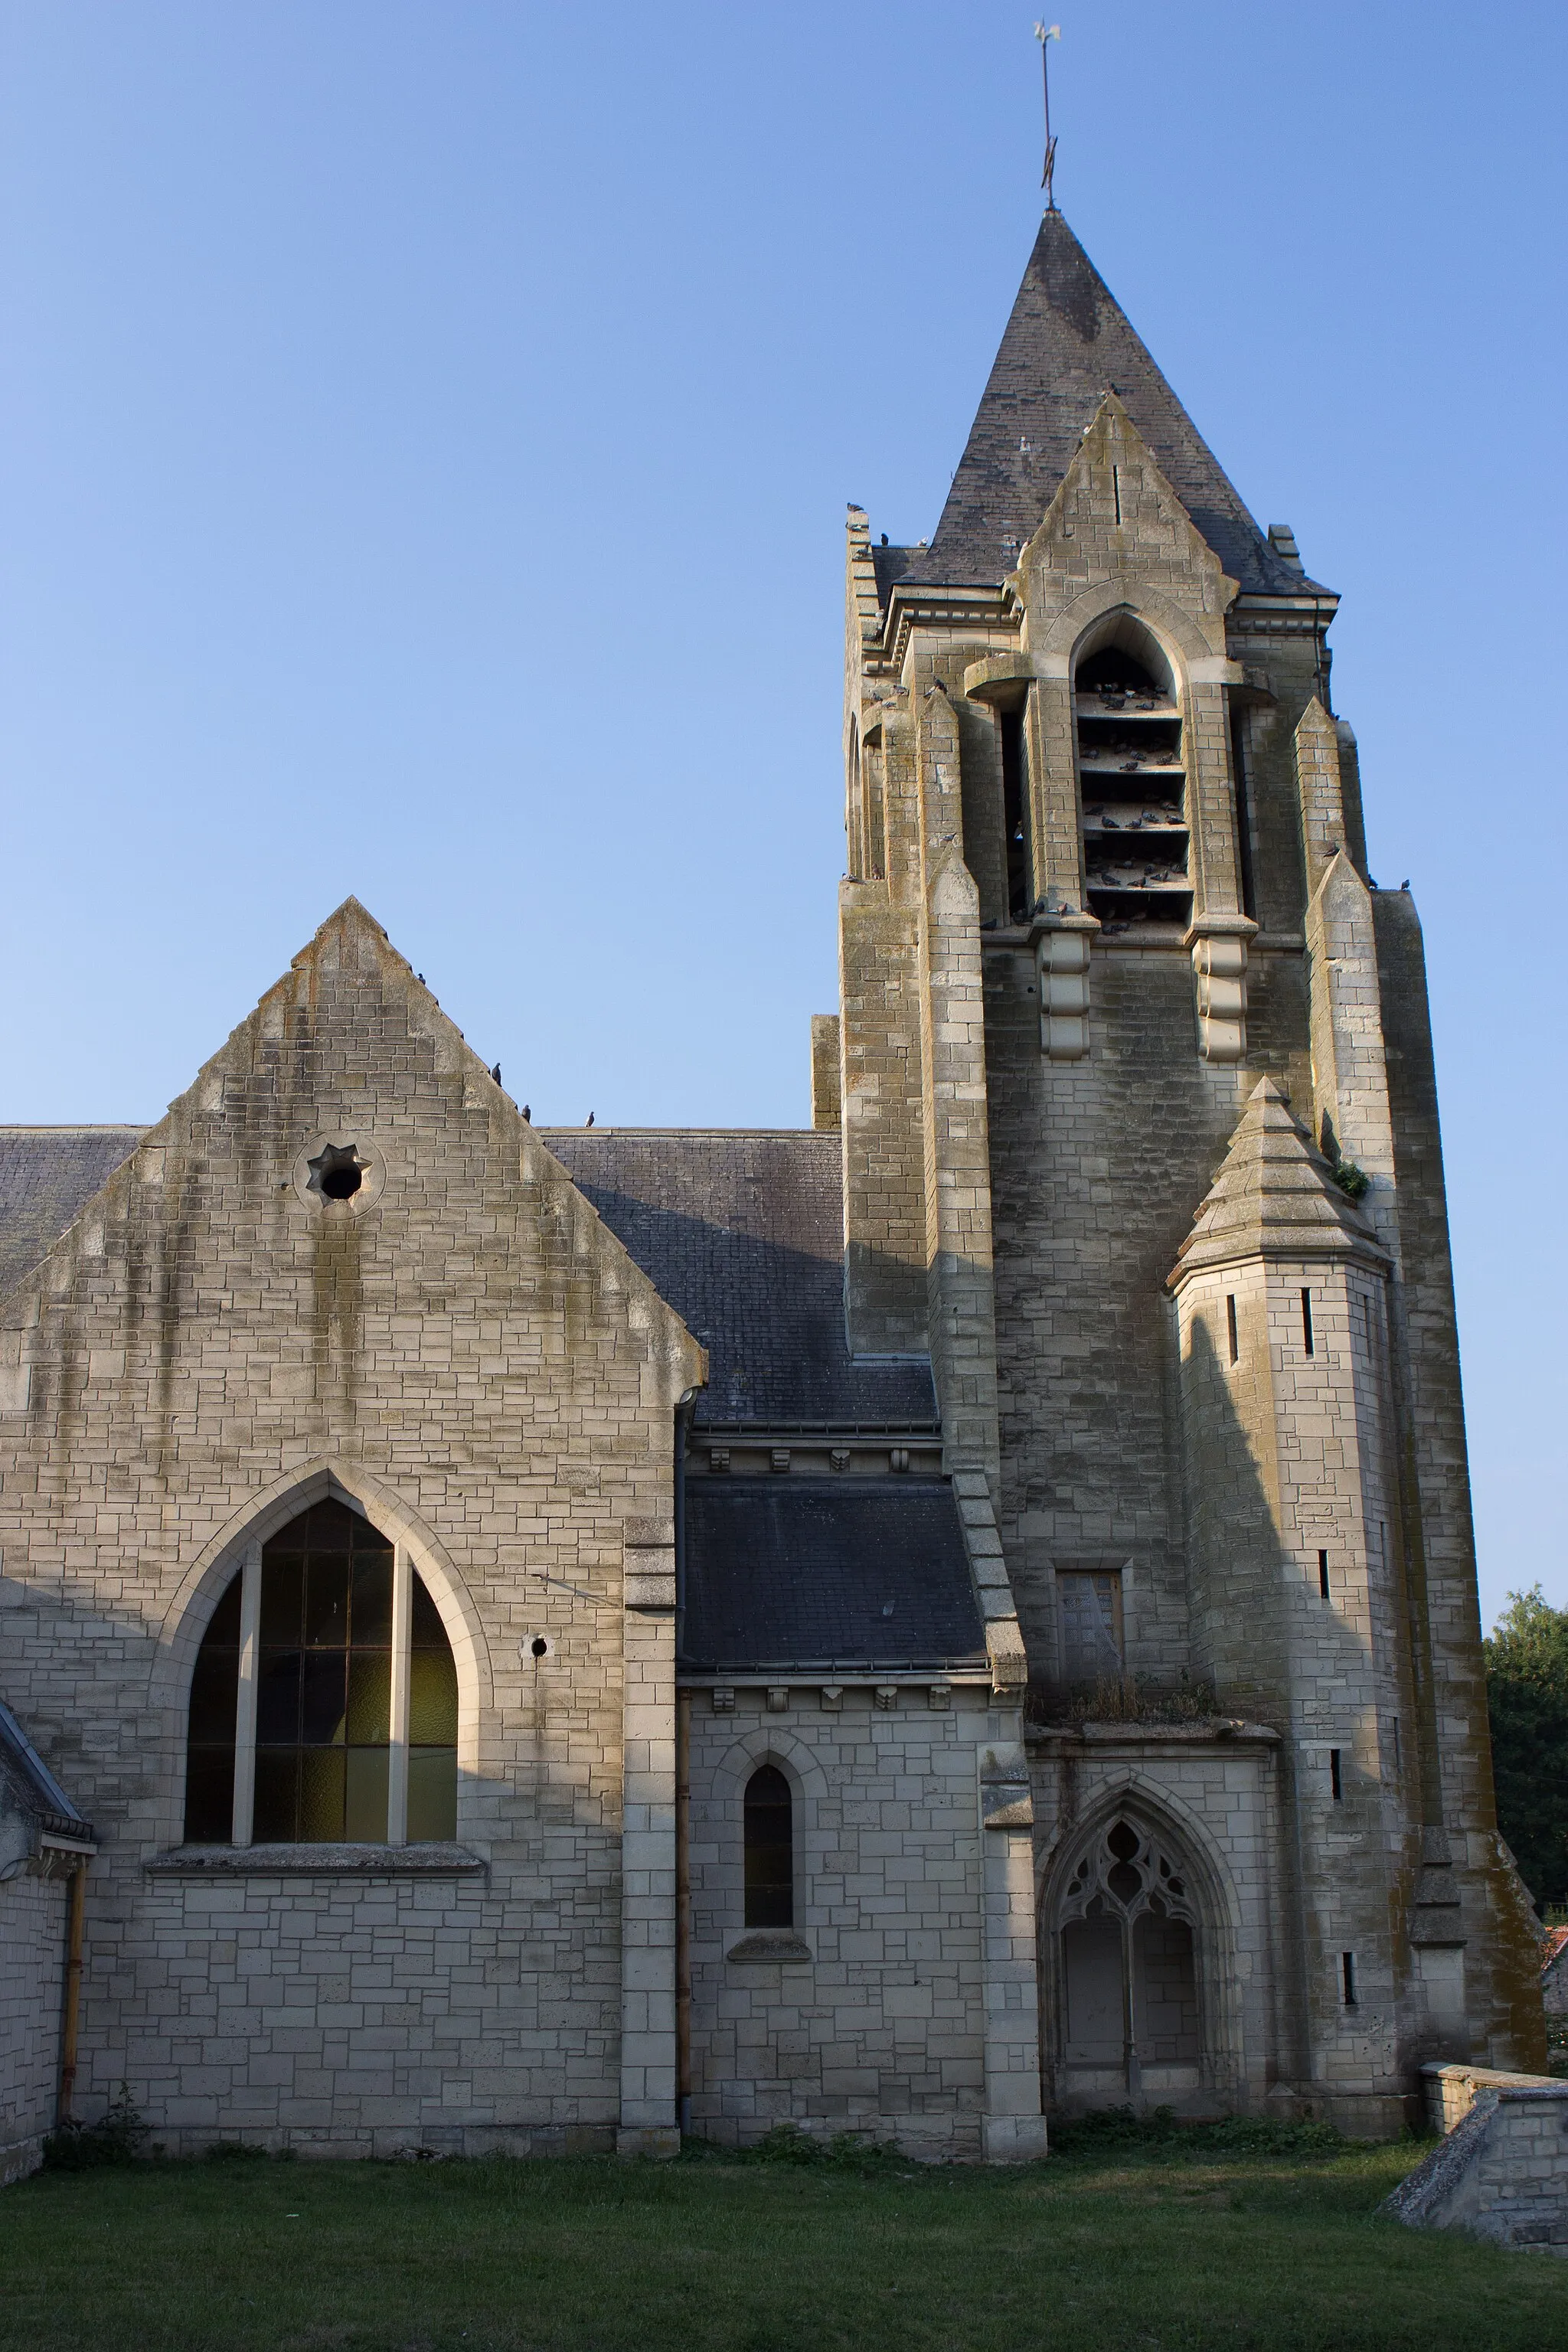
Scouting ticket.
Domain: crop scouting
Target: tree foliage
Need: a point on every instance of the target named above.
(1527, 1696)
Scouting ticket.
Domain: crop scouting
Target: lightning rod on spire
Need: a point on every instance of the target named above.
(1044, 35)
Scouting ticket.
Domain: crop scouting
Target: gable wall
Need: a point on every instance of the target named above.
(480, 1363)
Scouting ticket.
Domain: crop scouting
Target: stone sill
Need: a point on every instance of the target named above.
(318, 1862)
(769, 1947)
(1229, 1730)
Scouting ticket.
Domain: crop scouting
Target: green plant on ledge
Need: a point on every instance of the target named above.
(1353, 1180)
(1125, 1698)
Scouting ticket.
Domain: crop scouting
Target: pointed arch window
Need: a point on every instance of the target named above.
(324, 1701)
(770, 1849)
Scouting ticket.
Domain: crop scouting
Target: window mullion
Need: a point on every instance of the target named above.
(244, 1711)
(397, 1760)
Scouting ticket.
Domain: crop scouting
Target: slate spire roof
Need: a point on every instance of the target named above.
(1274, 1197)
(1067, 344)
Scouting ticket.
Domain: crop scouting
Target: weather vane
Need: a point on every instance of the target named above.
(1044, 35)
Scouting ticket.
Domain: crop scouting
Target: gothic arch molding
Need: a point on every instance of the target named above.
(1134, 1899)
(1183, 642)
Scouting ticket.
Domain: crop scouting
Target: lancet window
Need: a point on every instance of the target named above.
(1128, 1933)
(769, 1829)
(324, 1701)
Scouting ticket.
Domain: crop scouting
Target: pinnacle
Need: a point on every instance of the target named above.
(1273, 1197)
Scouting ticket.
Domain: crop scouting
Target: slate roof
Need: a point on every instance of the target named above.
(847, 1572)
(744, 1234)
(741, 1232)
(47, 1176)
(1066, 343)
(34, 1787)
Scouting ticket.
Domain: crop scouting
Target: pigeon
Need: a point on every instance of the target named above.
(589, 1120)
(496, 1074)
(527, 1115)
(420, 977)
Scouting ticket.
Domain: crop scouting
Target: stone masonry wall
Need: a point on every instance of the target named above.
(882, 2028)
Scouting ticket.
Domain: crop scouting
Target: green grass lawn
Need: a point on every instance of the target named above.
(1144, 2245)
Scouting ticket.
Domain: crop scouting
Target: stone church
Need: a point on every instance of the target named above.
(535, 1640)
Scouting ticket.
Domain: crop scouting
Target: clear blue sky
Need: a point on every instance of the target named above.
(425, 437)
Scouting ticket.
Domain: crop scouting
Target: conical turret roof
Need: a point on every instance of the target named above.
(1067, 344)
(1274, 1197)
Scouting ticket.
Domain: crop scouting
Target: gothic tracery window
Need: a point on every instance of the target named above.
(324, 1700)
(1129, 1978)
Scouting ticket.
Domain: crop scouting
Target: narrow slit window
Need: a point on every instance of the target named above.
(1116, 492)
(1307, 1321)
(1347, 1978)
(1324, 1574)
(1243, 811)
(1014, 770)
(1231, 1333)
(1394, 1727)
(769, 1850)
(1336, 1777)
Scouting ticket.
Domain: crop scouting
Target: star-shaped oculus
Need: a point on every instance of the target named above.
(338, 1171)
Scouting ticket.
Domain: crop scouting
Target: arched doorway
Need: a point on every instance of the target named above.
(1128, 2014)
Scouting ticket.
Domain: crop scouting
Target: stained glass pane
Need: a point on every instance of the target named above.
(432, 1793)
(322, 1697)
(370, 1697)
(364, 1810)
(214, 1692)
(277, 1818)
(210, 1796)
(328, 1527)
(432, 1699)
(278, 1698)
(321, 1796)
(327, 1601)
(282, 1598)
(370, 1608)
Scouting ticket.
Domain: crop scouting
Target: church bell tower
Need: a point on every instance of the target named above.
(1110, 963)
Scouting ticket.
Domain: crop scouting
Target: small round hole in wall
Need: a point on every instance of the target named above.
(535, 1648)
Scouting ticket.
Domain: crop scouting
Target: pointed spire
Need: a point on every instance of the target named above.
(1274, 1197)
(1067, 344)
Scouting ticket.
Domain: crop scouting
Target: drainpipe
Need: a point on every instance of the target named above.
(683, 1413)
(682, 1911)
(70, 1991)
